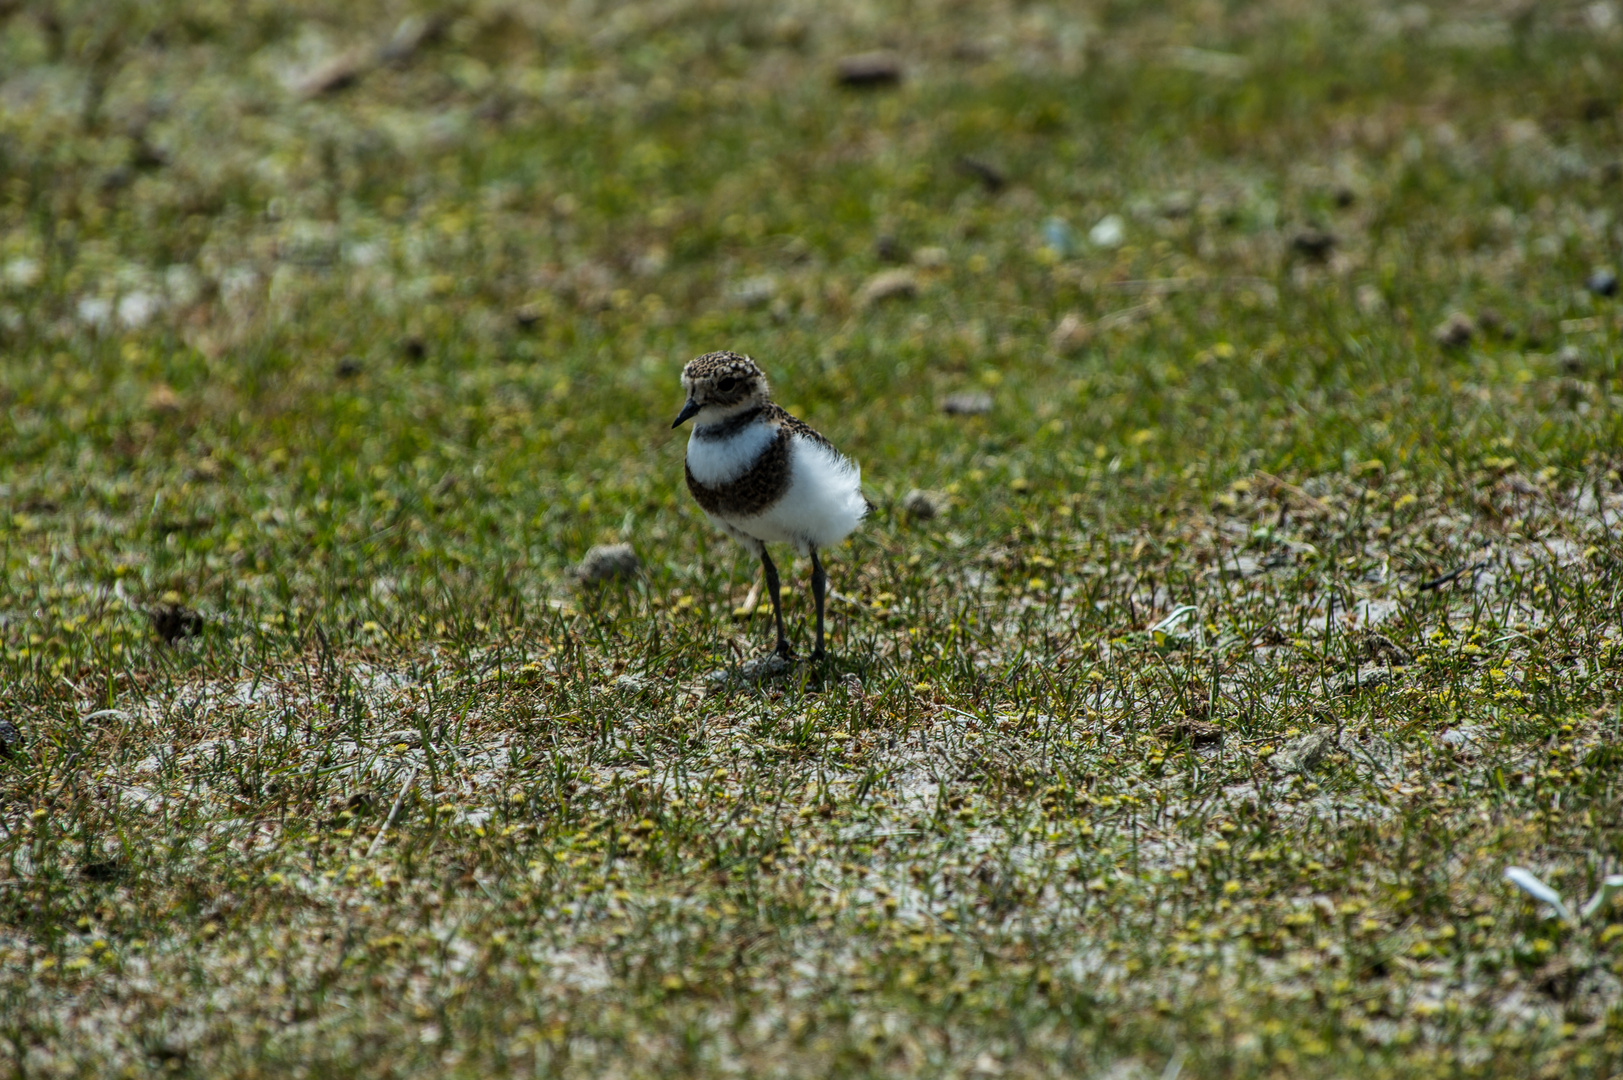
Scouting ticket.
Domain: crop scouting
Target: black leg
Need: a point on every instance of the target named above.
(777, 602)
(819, 586)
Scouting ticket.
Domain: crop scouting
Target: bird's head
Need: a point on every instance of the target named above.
(719, 385)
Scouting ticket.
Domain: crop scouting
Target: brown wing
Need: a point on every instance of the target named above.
(786, 422)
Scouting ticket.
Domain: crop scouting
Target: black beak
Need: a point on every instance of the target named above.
(686, 414)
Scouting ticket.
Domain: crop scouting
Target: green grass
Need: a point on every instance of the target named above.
(1168, 752)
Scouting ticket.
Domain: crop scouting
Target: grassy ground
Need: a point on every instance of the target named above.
(1267, 617)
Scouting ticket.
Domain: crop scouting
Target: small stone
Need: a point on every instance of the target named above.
(408, 737)
(900, 284)
(751, 671)
(1070, 333)
(991, 177)
(969, 403)
(1313, 245)
(1369, 299)
(870, 70)
(163, 400)
(1177, 204)
(1454, 332)
(1196, 733)
(102, 870)
(143, 155)
(1571, 360)
(527, 317)
(411, 34)
(631, 685)
(339, 73)
(1059, 238)
(755, 291)
(608, 562)
(175, 621)
(1602, 282)
(922, 505)
(1110, 232)
(889, 249)
(11, 739)
(1460, 737)
(348, 368)
(1303, 753)
(1369, 677)
(930, 258)
(1378, 648)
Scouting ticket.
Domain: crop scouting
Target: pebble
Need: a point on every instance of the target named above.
(175, 621)
(1110, 232)
(922, 505)
(410, 35)
(1602, 282)
(1059, 237)
(1301, 754)
(1196, 733)
(1070, 333)
(1312, 244)
(970, 403)
(607, 562)
(991, 177)
(887, 248)
(410, 737)
(1368, 677)
(755, 291)
(631, 685)
(1454, 332)
(751, 671)
(869, 70)
(339, 73)
(900, 284)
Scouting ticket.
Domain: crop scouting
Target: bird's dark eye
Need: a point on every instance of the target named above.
(727, 385)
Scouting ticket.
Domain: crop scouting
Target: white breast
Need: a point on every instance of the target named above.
(718, 461)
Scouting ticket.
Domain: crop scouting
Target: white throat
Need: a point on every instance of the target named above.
(721, 461)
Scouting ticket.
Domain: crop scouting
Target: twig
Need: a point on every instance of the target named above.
(394, 812)
(1122, 317)
(835, 594)
(1453, 575)
(754, 597)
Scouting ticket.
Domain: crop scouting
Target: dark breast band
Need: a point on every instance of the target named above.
(729, 427)
(756, 490)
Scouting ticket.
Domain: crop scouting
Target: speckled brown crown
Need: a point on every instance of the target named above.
(716, 365)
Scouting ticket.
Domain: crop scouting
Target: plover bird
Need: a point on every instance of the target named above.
(764, 477)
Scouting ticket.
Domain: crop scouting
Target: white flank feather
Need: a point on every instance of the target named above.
(823, 505)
